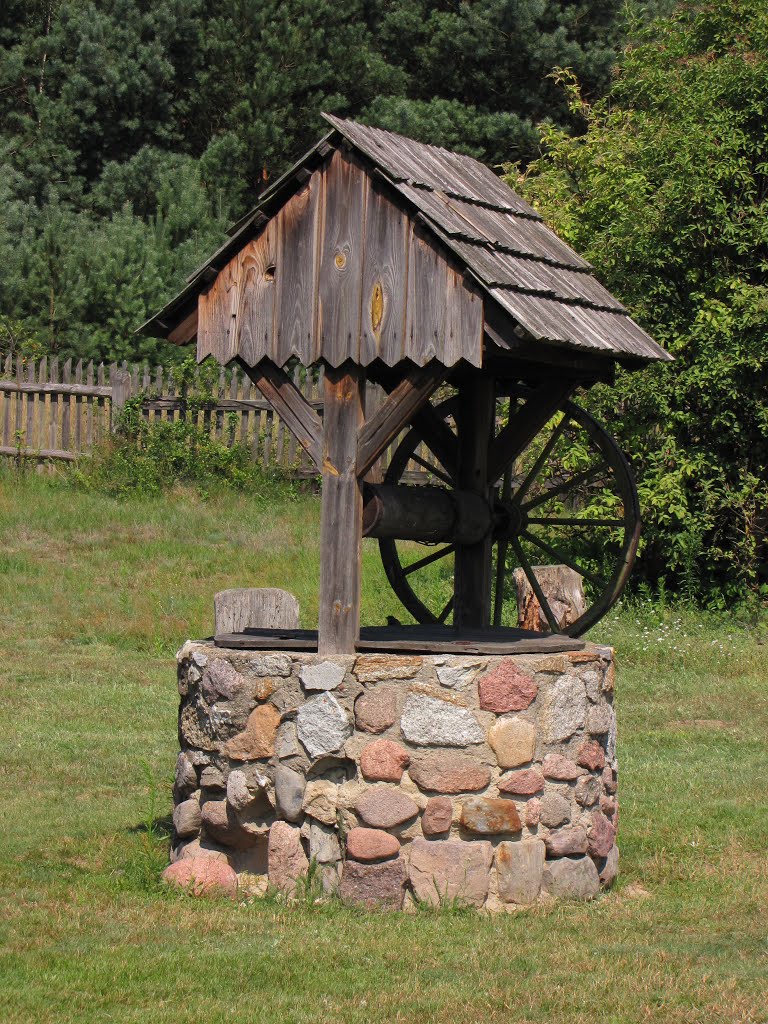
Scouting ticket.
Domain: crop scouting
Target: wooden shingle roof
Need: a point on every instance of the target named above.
(502, 243)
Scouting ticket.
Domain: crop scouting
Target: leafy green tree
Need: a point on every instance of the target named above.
(666, 193)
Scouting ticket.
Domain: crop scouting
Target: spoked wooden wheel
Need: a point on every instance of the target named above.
(568, 499)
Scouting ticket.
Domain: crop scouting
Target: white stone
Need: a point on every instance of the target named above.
(194, 675)
(238, 794)
(563, 708)
(457, 676)
(220, 717)
(270, 665)
(320, 798)
(323, 725)
(323, 844)
(325, 676)
(436, 722)
(199, 659)
(600, 720)
(592, 684)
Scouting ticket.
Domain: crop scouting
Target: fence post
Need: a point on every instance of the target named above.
(121, 392)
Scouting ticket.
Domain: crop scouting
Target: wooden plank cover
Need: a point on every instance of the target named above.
(385, 279)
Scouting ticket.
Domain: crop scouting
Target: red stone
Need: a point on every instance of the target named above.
(220, 823)
(523, 783)
(591, 755)
(506, 688)
(609, 779)
(368, 844)
(602, 835)
(202, 876)
(450, 869)
(287, 860)
(437, 816)
(376, 709)
(565, 842)
(384, 761)
(490, 816)
(558, 767)
(533, 812)
(383, 807)
(374, 885)
(445, 772)
(608, 805)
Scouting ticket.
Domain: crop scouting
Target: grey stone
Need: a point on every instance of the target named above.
(567, 841)
(385, 806)
(563, 708)
(221, 681)
(592, 685)
(212, 778)
(186, 817)
(323, 843)
(555, 810)
(436, 722)
(270, 665)
(289, 793)
(198, 758)
(330, 876)
(325, 676)
(609, 868)
(458, 675)
(519, 870)
(450, 869)
(196, 729)
(587, 791)
(185, 778)
(323, 725)
(286, 741)
(199, 659)
(194, 675)
(600, 720)
(571, 879)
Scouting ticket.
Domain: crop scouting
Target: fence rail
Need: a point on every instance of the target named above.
(62, 411)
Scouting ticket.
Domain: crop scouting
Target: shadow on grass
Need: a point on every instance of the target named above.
(158, 828)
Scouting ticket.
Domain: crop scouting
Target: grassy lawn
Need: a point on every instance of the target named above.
(96, 598)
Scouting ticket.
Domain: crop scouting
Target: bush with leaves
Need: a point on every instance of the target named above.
(665, 192)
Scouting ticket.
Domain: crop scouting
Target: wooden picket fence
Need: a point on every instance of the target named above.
(52, 409)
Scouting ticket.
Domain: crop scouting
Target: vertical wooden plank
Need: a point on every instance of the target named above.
(233, 387)
(217, 308)
(18, 438)
(53, 416)
(122, 386)
(79, 408)
(472, 566)
(220, 392)
(290, 455)
(7, 413)
(341, 516)
(158, 389)
(102, 422)
(29, 436)
(245, 414)
(341, 260)
(385, 279)
(296, 275)
(89, 408)
(255, 320)
(170, 391)
(66, 411)
(42, 411)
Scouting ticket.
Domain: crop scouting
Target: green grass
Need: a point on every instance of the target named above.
(96, 597)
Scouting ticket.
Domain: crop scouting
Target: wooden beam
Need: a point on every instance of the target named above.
(525, 425)
(413, 392)
(186, 330)
(290, 405)
(341, 515)
(472, 566)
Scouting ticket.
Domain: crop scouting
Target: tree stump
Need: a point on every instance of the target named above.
(563, 590)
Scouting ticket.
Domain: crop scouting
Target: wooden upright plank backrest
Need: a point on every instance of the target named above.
(255, 608)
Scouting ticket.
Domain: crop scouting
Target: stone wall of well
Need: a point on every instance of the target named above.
(484, 779)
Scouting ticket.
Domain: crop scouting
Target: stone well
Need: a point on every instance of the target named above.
(490, 780)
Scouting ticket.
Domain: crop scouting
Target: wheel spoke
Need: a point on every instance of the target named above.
(543, 456)
(560, 557)
(428, 559)
(446, 611)
(562, 521)
(554, 625)
(567, 485)
(432, 469)
(501, 571)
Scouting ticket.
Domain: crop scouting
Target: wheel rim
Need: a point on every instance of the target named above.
(569, 496)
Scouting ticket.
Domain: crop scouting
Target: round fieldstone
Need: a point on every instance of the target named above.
(609, 806)
(221, 681)
(371, 844)
(448, 772)
(221, 823)
(555, 810)
(202, 876)
(384, 761)
(566, 842)
(376, 709)
(601, 835)
(186, 817)
(506, 688)
(587, 791)
(561, 768)
(609, 779)
(437, 816)
(571, 879)
(374, 885)
(591, 755)
(513, 741)
(523, 783)
(608, 868)
(258, 738)
(383, 807)
(490, 816)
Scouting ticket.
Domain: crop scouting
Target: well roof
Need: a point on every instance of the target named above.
(504, 245)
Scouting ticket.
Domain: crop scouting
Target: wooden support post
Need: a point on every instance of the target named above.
(472, 572)
(341, 517)
(121, 392)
